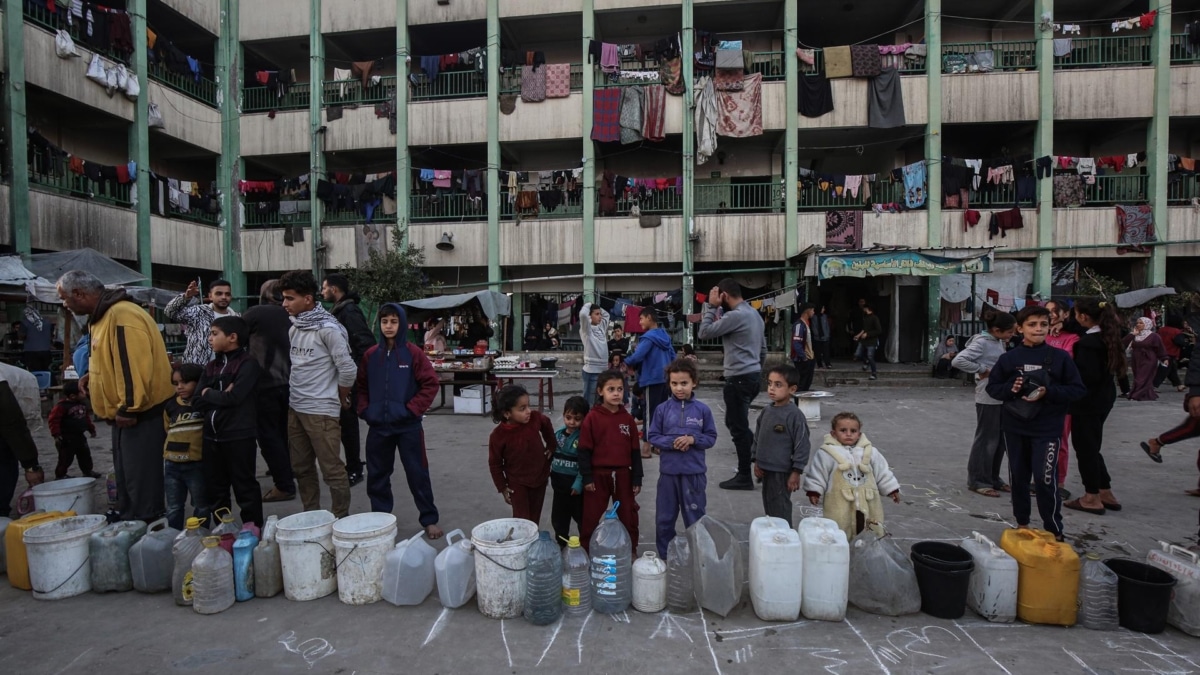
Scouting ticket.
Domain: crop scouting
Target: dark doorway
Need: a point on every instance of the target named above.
(914, 313)
(840, 296)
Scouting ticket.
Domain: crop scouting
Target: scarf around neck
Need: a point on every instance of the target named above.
(316, 318)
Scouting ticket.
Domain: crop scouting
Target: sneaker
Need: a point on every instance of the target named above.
(738, 482)
(355, 477)
(277, 495)
(865, 369)
(873, 377)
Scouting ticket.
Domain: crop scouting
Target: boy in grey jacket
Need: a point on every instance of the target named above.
(781, 444)
(978, 357)
(593, 332)
(322, 373)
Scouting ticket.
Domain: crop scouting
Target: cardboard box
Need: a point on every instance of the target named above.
(473, 391)
(472, 406)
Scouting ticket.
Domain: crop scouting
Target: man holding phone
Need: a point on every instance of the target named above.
(197, 318)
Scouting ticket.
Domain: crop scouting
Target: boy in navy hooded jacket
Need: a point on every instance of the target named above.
(396, 385)
(653, 353)
(1036, 383)
(682, 429)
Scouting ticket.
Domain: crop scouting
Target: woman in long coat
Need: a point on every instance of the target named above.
(1148, 354)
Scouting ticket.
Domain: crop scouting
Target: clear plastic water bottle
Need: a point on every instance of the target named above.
(612, 565)
(212, 580)
(576, 585)
(187, 546)
(681, 590)
(543, 581)
(1097, 595)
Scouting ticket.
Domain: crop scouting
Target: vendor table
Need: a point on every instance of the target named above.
(459, 377)
(545, 382)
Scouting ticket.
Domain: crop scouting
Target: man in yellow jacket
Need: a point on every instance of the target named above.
(128, 379)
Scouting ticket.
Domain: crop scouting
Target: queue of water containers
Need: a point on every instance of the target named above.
(791, 573)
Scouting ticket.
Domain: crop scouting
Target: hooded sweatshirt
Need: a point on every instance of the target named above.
(1048, 366)
(609, 440)
(595, 340)
(226, 396)
(675, 418)
(653, 354)
(979, 356)
(358, 333)
(396, 384)
(321, 363)
(129, 370)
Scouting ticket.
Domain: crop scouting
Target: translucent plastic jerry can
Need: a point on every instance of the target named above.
(109, 552)
(151, 561)
(612, 565)
(408, 571)
(776, 565)
(212, 578)
(649, 583)
(1184, 611)
(717, 563)
(1098, 595)
(826, 575)
(993, 590)
(454, 569)
(187, 546)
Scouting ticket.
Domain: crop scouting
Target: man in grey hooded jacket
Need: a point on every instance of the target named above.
(978, 357)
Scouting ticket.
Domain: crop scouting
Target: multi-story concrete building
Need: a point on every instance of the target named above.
(271, 102)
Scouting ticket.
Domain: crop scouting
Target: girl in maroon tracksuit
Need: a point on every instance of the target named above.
(519, 452)
(610, 459)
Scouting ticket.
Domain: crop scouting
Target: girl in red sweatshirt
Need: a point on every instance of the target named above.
(519, 452)
(610, 459)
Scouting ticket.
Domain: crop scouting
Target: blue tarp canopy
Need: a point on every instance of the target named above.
(493, 303)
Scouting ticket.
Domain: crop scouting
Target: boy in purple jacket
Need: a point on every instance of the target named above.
(682, 428)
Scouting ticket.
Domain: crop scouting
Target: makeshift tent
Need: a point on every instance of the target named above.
(494, 304)
(110, 272)
(15, 278)
(1141, 296)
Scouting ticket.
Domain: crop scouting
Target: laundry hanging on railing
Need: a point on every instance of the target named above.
(172, 58)
(1143, 22)
(277, 82)
(48, 159)
(474, 59)
(171, 195)
(113, 77)
(100, 28)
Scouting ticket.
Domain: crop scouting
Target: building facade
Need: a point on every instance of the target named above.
(263, 103)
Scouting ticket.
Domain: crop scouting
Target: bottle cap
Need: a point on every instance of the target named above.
(194, 523)
(573, 542)
(211, 542)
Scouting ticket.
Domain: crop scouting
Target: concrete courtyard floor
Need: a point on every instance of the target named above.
(924, 433)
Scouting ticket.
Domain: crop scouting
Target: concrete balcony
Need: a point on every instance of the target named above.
(953, 235)
(470, 243)
(541, 241)
(263, 250)
(359, 129)
(187, 119)
(448, 122)
(623, 240)
(288, 133)
(515, 8)
(342, 17)
(990, 97)
(65, 77)
(850, 103)
(605, 5)
(204, 13)
(1184, 225)
(269, 19)
(458, 10)
(1185, 90)
(1103, 93)
(740, 237)
(183, 243)
(63, 223)
(552, 119)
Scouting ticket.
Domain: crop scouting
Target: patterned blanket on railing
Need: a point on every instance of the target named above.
(1135, 226)
(740, 112)
(606, 115)
(558, 80)
(844, 229)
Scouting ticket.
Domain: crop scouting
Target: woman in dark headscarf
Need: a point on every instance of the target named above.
(942, 357)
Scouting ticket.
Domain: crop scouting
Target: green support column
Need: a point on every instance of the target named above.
(15, 125)
(933, 163)
(689, 161)
(139, 136)
(1156, 140)
(403, 162)
(229, 164)
(316, 155)
(493, 147)
(589, 158)
(791, 142)
(1043, 144)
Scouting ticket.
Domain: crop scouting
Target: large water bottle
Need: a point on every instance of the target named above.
(681, 590)
(1097, 595)
(243, 565)
(576, 584)
(612, 565)
(543, 581)
(187, 546)
(212, 578)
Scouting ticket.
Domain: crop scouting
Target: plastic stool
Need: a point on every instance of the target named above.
(43, 378)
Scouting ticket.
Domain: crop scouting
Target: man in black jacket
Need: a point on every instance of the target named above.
(269, 344)
(336, 289)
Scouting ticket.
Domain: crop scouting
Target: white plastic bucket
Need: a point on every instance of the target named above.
(66, 494)
(362, 542)
(307, 555)
(59, 563)
(501, 548)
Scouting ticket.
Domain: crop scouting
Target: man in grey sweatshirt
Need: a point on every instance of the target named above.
(978, 357)
(743, 336)
(320, 380)
(593, 332)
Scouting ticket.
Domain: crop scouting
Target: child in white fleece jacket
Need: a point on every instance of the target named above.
(851, 475)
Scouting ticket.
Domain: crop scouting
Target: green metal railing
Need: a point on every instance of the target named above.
(739, 198)
(659, 202)
(908, 65)
(54, 176)
(1008, 55)
(194, 216)
(263, 99)
(1097, 52)
(510, 79)
(1183, 190)
(449, 84)
(1116, 189)
(770, 64)
(1003, 195)
(1182, 50)
(202, 89)
(341, 92)
(614, 80)
(447, 206)
(39, 15)
(257, 219)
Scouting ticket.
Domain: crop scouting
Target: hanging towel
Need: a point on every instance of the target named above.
(631, 115)
(730, 58)
(508, 103)
(865, 60)
(816, 96)
(885, 101)
(431, 65)
(705, 119)
(670, 74)
(838, 62)
(441, 178)
(610, 62)
(342, 74)
(654, 124)
(533, 84)
(914, 184)
(1062, 46)
(558, 80)
(362, 69)
(741, 111)
(1136, 228)
(843, 229)
(606, 115)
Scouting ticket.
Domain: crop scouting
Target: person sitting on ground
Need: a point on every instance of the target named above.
(849, 474)
(551, 337)
(943, 359)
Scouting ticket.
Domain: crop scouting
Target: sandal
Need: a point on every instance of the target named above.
(1111, 506)
(986, 492)
(1075, 505)
(1005, 487)
(1154, 456)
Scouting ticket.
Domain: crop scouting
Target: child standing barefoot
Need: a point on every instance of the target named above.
(564, 471)
(851, 474)
(609, 460)
(519, 452)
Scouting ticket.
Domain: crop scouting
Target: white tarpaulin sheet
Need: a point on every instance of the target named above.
(1008, 279)
(494, 303)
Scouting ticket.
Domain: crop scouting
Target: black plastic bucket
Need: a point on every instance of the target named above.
(943, 576)
(1143, 595)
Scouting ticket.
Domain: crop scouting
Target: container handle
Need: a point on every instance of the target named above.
(984, 540)
(450, 537)
(1181, 551)
(157, 525)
